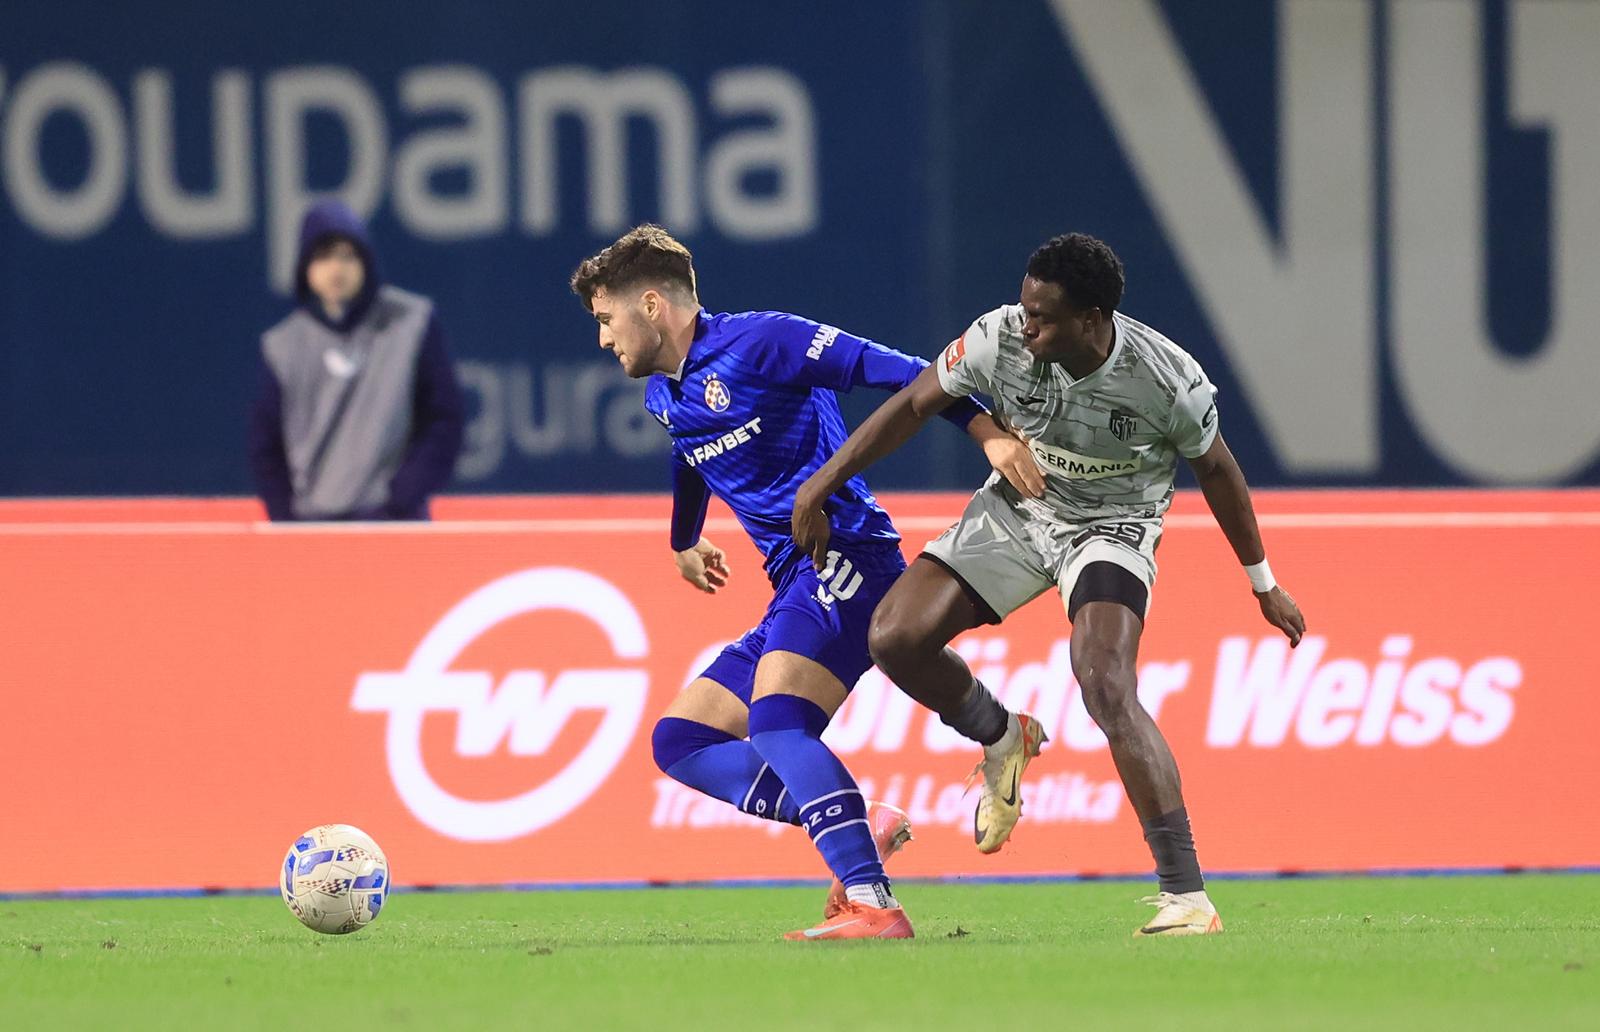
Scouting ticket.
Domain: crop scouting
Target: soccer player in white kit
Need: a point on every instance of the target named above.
(1106, 405)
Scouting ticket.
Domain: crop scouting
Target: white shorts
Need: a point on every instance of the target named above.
(1009, 556)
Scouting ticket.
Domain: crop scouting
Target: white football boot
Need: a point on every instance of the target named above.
(1181, 913)
(1001, 769)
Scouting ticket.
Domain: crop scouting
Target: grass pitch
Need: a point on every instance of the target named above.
(1414, 953)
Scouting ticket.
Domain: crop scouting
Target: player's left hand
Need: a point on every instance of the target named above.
(1014, 459)
(1282, 612)
(809, 528)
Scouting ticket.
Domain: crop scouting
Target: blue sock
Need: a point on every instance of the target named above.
(787, 731)
(723, 767)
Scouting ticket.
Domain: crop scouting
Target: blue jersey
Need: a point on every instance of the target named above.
(752, 415)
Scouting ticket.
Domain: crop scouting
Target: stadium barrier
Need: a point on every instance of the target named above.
(187, 689)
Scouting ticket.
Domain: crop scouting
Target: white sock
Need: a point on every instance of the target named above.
(1197, 899)
(874, 894)
(1008, 741)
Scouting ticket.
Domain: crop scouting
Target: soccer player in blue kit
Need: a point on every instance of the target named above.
(748, 401)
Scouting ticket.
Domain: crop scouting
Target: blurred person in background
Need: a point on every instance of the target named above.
(359, 415)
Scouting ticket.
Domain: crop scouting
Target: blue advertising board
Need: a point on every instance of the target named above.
(1375, 222)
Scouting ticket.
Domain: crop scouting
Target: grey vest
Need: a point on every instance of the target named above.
(347, 401)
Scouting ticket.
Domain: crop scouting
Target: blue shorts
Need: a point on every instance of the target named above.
(824, 618)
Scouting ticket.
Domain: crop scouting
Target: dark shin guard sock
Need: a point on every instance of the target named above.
(979, 717)
(1172, 844)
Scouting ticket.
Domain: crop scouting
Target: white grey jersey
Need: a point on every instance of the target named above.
(1109, 442)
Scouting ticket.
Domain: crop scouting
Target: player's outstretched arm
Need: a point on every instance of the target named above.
(1222, 482)
(894, 423)
(890, 370)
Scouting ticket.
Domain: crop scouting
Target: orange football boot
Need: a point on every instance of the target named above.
(858, 921)
(891, 830)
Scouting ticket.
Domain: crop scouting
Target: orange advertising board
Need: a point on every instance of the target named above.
(185, 690)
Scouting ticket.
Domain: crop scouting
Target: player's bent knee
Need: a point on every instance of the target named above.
(893, 642)
(773, 714)
(781, 672)
(885, 643)
(1110, 699)
(674, 739)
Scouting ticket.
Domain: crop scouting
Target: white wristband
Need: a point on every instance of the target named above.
(1260, 575)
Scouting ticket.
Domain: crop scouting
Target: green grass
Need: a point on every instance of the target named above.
(1413, 953)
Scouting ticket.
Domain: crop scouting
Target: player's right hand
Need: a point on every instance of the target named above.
(705, 566)
(810, 530)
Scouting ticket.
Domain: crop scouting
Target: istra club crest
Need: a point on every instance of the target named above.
(717, 397)
(1122, 424)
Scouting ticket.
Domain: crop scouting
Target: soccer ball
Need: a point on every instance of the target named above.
(335, 879)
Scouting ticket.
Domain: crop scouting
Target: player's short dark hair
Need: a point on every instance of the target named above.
(646, 255)
(1086, 269)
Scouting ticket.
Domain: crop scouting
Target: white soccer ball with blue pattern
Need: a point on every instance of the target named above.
(335, 879)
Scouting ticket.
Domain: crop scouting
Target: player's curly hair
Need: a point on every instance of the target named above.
(1086, 269)
(644, 255)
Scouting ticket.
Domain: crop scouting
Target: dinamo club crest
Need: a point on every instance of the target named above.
(717, 397)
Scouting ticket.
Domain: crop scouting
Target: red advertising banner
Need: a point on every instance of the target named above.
(185, 690)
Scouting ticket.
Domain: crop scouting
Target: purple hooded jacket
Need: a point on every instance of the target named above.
(436, 432)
